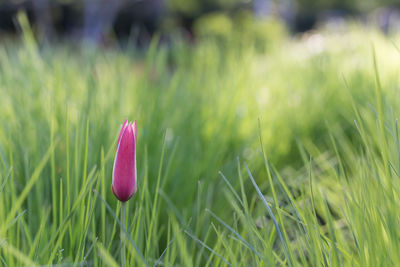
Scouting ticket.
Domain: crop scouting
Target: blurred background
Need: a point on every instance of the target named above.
(101, 22)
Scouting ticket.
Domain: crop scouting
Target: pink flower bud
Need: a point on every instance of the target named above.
(124, 172)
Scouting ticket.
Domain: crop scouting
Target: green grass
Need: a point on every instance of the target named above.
(286, 156)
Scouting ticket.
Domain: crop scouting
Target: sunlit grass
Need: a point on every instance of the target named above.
(321, 188)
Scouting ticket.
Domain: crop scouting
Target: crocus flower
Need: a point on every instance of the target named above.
(124, 172)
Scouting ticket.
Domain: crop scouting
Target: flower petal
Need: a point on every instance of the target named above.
(122, 131)
(134, 130)
(124, 171)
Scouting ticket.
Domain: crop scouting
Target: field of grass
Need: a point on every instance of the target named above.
(284, 156)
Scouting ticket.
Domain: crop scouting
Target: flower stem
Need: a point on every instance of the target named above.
(122, 234)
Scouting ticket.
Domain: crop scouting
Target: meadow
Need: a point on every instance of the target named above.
(284, 154)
